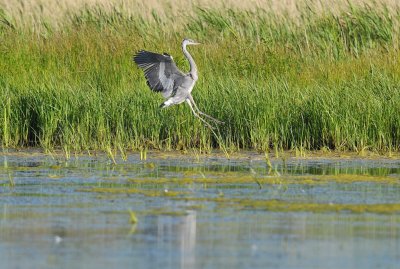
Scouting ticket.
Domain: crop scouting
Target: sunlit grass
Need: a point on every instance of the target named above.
(320, 81)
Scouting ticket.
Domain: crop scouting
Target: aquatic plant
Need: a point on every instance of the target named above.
(309, 81)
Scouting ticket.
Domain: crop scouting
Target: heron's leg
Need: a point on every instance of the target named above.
(202, 113)
(197, 115)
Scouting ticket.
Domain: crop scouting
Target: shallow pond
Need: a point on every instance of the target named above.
(207, 212)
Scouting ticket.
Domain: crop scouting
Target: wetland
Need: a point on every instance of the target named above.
(305, 172)
(183, 211)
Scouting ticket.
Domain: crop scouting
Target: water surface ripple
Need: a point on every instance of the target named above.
(207, 212)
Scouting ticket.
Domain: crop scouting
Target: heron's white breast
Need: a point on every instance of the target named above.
(191, 87)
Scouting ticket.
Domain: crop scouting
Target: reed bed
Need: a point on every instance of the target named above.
(316, 79)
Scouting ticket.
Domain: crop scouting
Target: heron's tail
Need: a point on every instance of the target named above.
(166, 103)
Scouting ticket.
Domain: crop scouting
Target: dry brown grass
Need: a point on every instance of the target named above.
(54, 11)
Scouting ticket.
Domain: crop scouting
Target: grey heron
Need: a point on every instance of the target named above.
(162, 75)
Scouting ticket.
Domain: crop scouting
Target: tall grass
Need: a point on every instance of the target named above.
(320, 80)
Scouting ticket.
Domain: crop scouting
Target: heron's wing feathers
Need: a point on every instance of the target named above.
(160, 71)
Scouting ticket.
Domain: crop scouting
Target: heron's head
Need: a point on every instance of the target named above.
(188, 41)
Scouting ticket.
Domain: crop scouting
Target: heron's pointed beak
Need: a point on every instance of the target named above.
(197, 43)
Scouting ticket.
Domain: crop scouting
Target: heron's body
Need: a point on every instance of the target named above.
(183, 89)
(163, 76)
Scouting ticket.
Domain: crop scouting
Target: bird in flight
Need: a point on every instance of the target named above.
(162, 75)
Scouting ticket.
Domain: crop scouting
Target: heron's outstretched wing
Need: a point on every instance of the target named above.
(160, 71)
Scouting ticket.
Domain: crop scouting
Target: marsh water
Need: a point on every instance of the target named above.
(179, 211)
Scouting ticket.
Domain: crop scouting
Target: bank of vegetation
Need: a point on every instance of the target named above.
(317, 79)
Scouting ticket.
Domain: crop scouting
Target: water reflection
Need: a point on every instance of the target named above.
(47, 221)
(276, 240)
(89, 166)
(177, 235)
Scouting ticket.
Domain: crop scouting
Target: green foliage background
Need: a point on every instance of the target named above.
(321, 80)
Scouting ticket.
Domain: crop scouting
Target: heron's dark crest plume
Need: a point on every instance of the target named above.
(162, 75)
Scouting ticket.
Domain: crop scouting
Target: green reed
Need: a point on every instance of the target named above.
(310, 82)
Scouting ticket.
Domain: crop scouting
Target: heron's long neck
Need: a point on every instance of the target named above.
(193, 67)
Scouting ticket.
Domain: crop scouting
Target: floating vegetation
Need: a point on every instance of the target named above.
(287, 206)
(165, 212)
(194, 200)
(11, 180)
(132, 217)
(145, 192)
(240, 179)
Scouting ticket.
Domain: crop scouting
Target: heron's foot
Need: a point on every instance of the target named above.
(218, 121)
(209, 125)
(211, 118)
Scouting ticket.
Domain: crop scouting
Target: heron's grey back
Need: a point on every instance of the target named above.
(160, 71)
